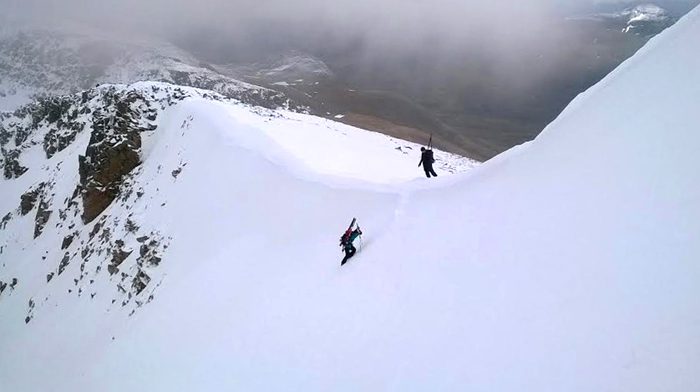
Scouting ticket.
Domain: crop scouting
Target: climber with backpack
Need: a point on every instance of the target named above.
(427, 159)
(347, 239)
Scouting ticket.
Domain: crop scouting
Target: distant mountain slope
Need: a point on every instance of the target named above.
(645, 20)
(36, 63)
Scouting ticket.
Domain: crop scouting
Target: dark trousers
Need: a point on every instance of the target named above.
(429, 170)
(349, 252)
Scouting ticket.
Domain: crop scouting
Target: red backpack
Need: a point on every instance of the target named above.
(345, 237)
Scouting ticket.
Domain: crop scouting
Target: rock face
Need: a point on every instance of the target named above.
(57, 115)
(101, 172)
(63, 204)
(113, 152)
(42, 217)
(28, 200)
(12, 169)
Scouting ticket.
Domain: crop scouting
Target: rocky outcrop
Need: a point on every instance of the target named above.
(55, 141)
(28, 199)
(119, 254)
(11, 166)
(113, 152)
(4, 221)
(4, 136)
(116, 118)
(42, 217)
(58, 114)
(140, 281)
(68, 240)
(64, 263)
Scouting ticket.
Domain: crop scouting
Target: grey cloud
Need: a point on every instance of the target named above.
(385, 20)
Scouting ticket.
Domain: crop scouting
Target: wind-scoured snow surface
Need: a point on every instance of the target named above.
(567, 264)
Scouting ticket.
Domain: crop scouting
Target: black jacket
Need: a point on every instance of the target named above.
(426, 158)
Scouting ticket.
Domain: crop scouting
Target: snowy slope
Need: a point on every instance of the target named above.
(567, 264)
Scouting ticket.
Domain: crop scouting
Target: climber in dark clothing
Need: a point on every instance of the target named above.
(426, 159)
(346, 242)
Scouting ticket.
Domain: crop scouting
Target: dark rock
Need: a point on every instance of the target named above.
(140, 282)
(4, 136)
(142, 239)
(118, 256)
(57, 140)
(131, 226)
(102, 175)
(42, 217)
(67, 240)
(95, 229)
(5, 220)
(28, 200)
(49, 277)
(105, 235)
(64, 263)
(12, 168)
(113, 150)
(14, 283)
(21, 135)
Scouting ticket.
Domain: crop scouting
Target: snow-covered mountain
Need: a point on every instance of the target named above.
(88, 177)
(165, 238)
(39, 63)
(645, 20)
(290, 68)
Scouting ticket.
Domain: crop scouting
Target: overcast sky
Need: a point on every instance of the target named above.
(396, 17)
(383, 23)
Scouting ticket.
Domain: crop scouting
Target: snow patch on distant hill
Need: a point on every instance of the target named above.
(287, 69)
(645, 20)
